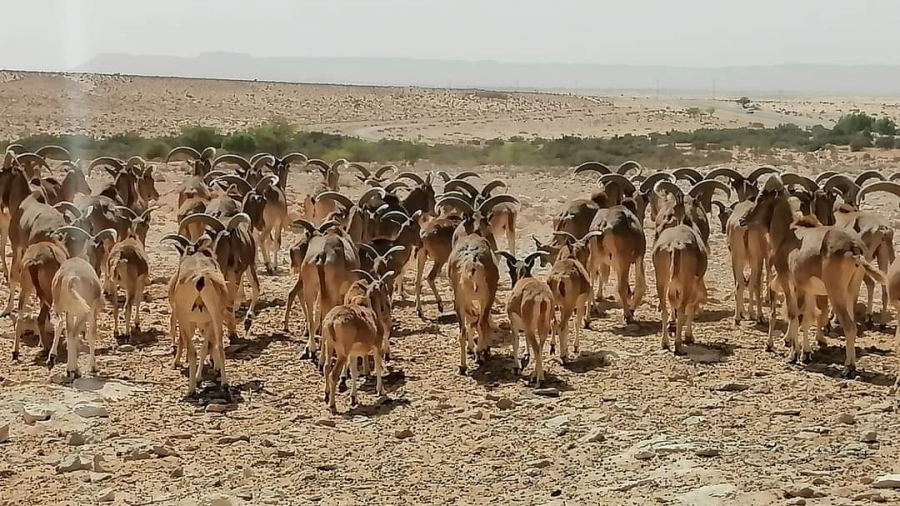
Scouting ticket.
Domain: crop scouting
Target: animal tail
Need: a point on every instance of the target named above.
(869, 269)
(541, 317)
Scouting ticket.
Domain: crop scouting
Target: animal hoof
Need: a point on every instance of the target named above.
(440, 307)
(306, 355)
(462, 370)
(354, 402)
(516, 371)
(805, 358)
(737, 321)
(326, 398)
(849, 372)
(50, 361)
(387, 357)
(420, 313)
(526, 359)
(342, 386)
(689, 339)
(679, 351)
(248, 322)
(575, 349)
(15, 356)
(552, 349)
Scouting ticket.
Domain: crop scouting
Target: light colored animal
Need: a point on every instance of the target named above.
(473, 279)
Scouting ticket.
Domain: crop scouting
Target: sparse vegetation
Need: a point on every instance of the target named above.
(707, 145)
(744, 101)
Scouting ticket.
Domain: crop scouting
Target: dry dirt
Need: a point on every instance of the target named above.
(727, 424)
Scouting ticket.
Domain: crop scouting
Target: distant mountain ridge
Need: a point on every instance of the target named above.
(787, 79)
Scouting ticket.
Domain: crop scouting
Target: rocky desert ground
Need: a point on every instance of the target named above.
(623, 423)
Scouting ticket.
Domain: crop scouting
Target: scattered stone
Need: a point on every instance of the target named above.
(644, 455)
(786, 412)
(557, 422)
(814, 472)
(106, 495)
(505, 403)
(403, 434)
(539, 464)
(694, 420)
(218, 500)
(137, 452)
(797, 501)
(90, 410)
(819, 481)
(805, 491)
(227, 440)
(729, 386)
(247, 471)
(326, 467)
(594, 436)
(73, 463)
(628, 485)
(707, 452)
(98, 464)
(216, 408)
(869, 436)
(164, 451)
(280, 452)
(887, 481)
(709, 495)
(870, 495)
(178, 472)
(98, 477)
(547, 392)
(32, 413)
(4, 433)
(866, 480)
(846, 418)
(74, 439)
(325, 422)
(475, 414)
(126, 348)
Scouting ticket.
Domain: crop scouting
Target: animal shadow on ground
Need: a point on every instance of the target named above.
(588, 361)
(713, 316)
(261, 305)
(495, 370)
(381, 406)
(393, 380)
(246, 349)
(406, 331)
(142, 339)
(708, 353)
(638, 328)
(829, 361)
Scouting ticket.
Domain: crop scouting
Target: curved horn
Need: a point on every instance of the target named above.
(688, 174)
(301, 223)
(215, 174)
(706, 187)
(293, 158)
(394, 185)
(620, 180)
(508, 256)
(790, 179)
(388, 215)
(412, 176)
(670, 187)
(867, 175)
(825, 175)
(319, 163)
(443, 175)
(336, 196)
(459, 203)
(106, 232)
(237, 220)
(488, 188)
(592, 166)
(466, 175)
(16, 149)
(106, 160)
(53, 153)
(233, 179)
(590, 235)
(147, 212)
(532, 256)
(183, 151)
(626, 166)
(722, 207)
(34, 158)
(208, 153)
(365, 172)
(365, 197)
(393, 249)
(135, 161)
(69, 229)
(654, 178)
(565, 234)
(238, 160)
(180, 239)
(844, 184)
(255, 158)
(266, 182)
(365, 274)
(459, 183)
(206, 219)
(381, 170)
(489, 204)
(369, 249)
(340, 162)
(127, 210)
(883, 186)
(725, 172)
(262, 161)
(68, 206)
(895, 176)
(761, 171)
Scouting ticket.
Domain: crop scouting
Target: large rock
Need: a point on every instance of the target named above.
(4, 433)
(73, 463)
(32, 413)
(887, 481)
(90, 410)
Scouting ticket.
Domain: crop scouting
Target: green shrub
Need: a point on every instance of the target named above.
(860, 142)
(156, 149)
(199, 137)
(886, 142)
(885, 126)
(240, 143)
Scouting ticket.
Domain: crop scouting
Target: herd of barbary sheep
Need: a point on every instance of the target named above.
(801, 242)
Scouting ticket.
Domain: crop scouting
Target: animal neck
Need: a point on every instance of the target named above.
(780, 222)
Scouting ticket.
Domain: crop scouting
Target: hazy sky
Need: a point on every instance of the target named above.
(640, 32)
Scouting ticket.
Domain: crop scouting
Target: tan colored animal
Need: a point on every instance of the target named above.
(811, 260)
(350, 331)
(570, 284)
(127, 266)
(530, 308)
(473, 279)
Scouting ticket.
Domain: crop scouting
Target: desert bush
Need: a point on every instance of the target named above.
(156, 149)
(885, 126)
(240, 143)
(198, 137)
(886, 142)
(859, 142)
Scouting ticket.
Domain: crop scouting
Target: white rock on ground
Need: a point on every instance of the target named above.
(887, 481)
